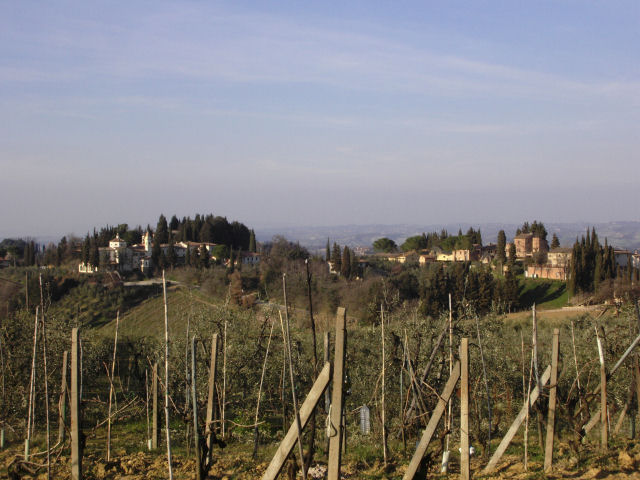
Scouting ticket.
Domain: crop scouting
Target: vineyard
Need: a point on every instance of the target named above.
(230, 392)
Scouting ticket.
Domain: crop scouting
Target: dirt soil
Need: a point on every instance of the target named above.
(618, 463)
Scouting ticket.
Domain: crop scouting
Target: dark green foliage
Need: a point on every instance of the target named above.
(162, 230)
(467, 285)
(252, 241)
(171, 256)
(336, 257)
(94, 252)
(345, 264)
(555, 242)
(204, 257)
(417, 242)
(591, 264)
(501, 253)
(385, 245)
(512, 253)
(327, 251)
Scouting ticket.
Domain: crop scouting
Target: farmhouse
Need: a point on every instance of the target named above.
(546, 271)
(528, 244)
(559, 257)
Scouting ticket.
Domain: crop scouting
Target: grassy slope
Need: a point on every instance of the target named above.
(147, 318)
(546, 294)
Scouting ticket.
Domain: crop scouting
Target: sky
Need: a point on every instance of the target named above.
(317, 113)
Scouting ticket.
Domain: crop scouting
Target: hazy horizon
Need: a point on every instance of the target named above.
(327, 114)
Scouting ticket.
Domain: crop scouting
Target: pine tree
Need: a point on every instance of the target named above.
(327, 252)
(555, 242)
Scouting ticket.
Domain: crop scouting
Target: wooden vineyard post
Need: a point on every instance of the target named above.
(290, 439)
(433, 423)
(597, 415)
(327, 392)
(111, 389)
(32, 382)
(384, 426)
(551, 417)
(604, 433)
(62, 401)
(166, 375)
(335, 410)
(154, 412)
(194, 401)
(506, 440)
(211, 399)
(464, 409)
(76, 450)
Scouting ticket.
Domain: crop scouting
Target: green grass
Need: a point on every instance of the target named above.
(546, 294)
(147, 318)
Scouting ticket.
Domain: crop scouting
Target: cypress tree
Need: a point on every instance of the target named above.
(512, 253)
(204, 257)
(172, 258)
(162, 230)
(327, 252)
(94, 258)
(501, 253)
(555, 242)
(252, 241)
(336, 258)
(345, 265)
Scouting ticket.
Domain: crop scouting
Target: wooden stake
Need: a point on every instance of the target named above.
(211, 397)
(486, 386)
(166, 374)
(597, 415)
(427, 368)
(384, 426)
(464, 409)
(575, 361)
(194, 407)
(27, 443)
(446, 453)
(295, 400)
(46, 382)
(154, 409)
(62, 401)
(146, 403)
(334, 429)
(111, 389)
(264, 368)
(327, 392)
(604, 433)
(224, 382)
(506, 440)
(76, 415)
(551, 416)
(421, 449)
(289, 441)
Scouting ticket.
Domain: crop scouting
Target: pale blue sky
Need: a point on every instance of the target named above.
(279, 113)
